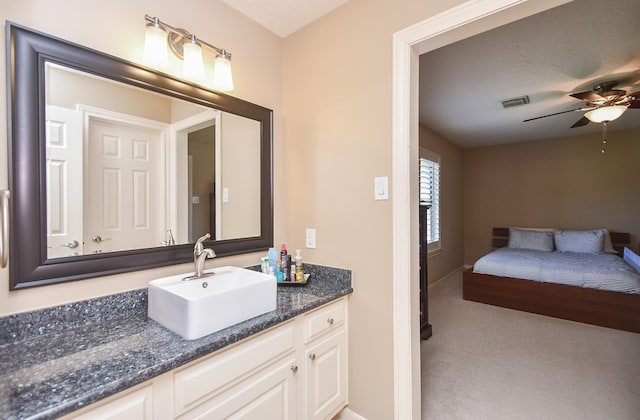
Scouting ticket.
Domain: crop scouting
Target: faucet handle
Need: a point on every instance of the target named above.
(198, 247)
(203, 238)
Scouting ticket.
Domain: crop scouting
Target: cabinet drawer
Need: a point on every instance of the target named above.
(208, 377)
(324, 319)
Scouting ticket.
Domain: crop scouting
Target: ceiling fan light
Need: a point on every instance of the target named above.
(606, 113)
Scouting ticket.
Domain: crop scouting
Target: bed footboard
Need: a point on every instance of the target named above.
(591, 306)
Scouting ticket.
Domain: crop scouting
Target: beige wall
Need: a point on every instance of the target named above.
(69, 89)
(450, 257)
(562, 183)
(338, 99)
(117, 27)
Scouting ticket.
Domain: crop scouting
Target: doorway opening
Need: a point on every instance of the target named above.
(460, 22)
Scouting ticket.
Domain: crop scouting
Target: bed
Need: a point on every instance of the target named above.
(618, 309)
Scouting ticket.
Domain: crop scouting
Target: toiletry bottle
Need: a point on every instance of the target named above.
(278, 272)
(273, 257)
(284, 262)
(284, 267)
(299, 266)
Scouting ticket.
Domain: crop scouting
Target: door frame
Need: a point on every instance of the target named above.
(465, 20)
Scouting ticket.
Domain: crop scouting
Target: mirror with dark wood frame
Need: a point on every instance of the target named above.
(31, 56)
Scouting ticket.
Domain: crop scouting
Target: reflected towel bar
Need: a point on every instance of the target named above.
(4, 226)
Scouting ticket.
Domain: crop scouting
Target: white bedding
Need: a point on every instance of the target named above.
(596, 271)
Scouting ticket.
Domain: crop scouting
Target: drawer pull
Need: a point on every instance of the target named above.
(294, 368)
(312, 356)
(330, 321)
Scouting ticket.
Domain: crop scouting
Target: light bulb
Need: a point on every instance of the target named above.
(155, 47)
(193, 67)
(222, 77)
(606, 113)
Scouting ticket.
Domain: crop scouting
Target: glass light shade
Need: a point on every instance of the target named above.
(193, 67)
(155, 47)
(606, 113)
(222, 77)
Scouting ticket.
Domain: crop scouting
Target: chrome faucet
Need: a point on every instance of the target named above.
(200, 254)
(199, 247)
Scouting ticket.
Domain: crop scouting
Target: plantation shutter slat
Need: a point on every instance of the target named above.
(430, 196)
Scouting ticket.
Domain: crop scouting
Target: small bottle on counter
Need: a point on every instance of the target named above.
(299, 267)
(278, 272)
(272, 254)
(285, 262)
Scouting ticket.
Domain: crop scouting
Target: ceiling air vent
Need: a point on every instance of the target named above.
(508, 103)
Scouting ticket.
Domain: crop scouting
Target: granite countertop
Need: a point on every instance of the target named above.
(57, 360)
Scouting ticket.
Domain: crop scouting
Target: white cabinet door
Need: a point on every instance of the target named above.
(326, 376)
(268, 395)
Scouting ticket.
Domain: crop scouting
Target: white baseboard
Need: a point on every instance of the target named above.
(347, 414)
(446, 276)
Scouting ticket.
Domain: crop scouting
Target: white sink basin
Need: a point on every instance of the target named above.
(196, 308)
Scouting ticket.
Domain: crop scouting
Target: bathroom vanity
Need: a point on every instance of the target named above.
(288, 363)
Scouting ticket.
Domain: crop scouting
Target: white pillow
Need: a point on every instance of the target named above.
(580, 241)
(540, 240)
(632, 259)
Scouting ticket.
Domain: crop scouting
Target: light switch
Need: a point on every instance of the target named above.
(225, 195)
(311, 238)
(381, 188)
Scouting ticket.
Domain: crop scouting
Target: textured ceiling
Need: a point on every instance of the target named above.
(546, 56)
(284, 17)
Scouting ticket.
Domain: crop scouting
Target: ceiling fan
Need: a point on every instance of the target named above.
(603, 104)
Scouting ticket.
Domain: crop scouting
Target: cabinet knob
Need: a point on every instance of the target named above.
(330, 321)
(294, 368)
(312, 356)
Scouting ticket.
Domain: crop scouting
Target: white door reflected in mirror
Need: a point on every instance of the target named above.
(126, 163)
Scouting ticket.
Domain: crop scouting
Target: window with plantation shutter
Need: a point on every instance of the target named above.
(430, 195)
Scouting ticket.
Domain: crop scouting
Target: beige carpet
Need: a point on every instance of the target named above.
(485, 362)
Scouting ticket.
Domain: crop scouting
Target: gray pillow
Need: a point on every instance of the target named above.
(540, 240)
(581, 241)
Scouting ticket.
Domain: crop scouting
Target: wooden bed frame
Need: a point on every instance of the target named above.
(592, 306)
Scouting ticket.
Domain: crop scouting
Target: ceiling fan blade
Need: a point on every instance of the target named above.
(582, 121)
(589, 96)
(635, 102)
(555, 113)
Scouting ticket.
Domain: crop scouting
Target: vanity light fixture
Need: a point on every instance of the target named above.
(184, 45)
(606, 113)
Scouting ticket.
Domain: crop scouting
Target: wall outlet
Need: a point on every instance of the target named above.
(311, 238)
(195, 200)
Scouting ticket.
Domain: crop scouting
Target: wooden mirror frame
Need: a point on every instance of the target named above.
(27, 53)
